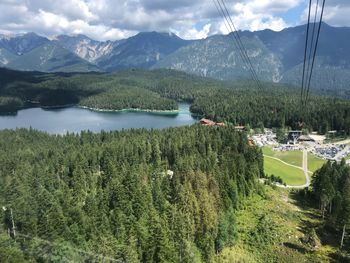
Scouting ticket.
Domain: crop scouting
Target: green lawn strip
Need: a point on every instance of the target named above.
(290, 175)
(314, 163)
(291, 157)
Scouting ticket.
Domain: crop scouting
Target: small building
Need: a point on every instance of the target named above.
(305, 138)
(207, 122)
(293, 136)
(319, 139)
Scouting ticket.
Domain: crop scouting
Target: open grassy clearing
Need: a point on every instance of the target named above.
(295, 158)
(267, 231)
(328, 249)
(291, 157)
(282, 223)
(314, 163)
(290, 175)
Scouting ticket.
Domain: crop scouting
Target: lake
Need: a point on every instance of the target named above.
(74, 119)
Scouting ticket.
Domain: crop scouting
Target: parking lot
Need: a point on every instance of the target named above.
(334, 152)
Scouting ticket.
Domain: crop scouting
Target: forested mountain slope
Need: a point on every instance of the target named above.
(238, 103)
(218, 57)
(133, 196)
(276, 56)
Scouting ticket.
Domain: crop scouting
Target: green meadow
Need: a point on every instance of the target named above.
(290, 175)
(314, 163)
(291, 157)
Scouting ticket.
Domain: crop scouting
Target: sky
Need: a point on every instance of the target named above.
(189, 19)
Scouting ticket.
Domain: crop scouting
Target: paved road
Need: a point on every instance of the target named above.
(343, 142)
(304, 168)
(341, 154)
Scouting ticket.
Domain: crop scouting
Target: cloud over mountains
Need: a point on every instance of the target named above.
(190, 19)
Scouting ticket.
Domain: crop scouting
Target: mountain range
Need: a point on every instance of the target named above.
(276, 56)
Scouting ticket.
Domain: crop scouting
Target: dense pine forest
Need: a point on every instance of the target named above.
(133, 196)
(239, 103)
(140, 131)
(172, 195)
(331, 194)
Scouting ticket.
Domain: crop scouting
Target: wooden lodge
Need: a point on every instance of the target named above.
(207, 122)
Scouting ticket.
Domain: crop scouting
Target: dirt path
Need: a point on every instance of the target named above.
(305, 169)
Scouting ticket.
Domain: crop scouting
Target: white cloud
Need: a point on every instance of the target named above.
(337, 15)
(194, 33)
(111, 19)
(336, 12)
(271, 6)
(253, 15)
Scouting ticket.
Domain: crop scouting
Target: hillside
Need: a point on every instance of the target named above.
(50, 57)
(22, 43)
(238, 102)
(141, 51)
(85, 47)
(217, 57)
(277, 56)
(132, 196)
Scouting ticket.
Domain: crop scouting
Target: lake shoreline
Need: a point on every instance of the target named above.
(172, 112)
(53, 107)
(76, 119)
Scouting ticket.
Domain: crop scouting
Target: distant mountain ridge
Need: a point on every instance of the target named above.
(85, 47)
(32, 52)
(22, 43)
(143, 50)
(277, 56)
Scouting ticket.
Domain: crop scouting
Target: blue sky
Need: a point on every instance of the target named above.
(293, 15)
(190, 19)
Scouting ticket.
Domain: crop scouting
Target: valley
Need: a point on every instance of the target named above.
(174, 131)
(182, 193)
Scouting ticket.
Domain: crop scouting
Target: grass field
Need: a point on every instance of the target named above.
(314, 163)
(291, 157)
(290, 175)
